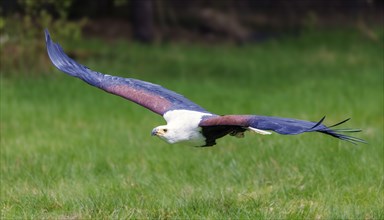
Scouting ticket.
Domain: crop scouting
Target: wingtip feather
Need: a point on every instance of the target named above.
(318, 123)
(338, 132)
(339, 123)
(47, 35)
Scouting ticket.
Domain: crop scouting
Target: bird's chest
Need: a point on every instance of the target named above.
(185, 125)
(189, 133)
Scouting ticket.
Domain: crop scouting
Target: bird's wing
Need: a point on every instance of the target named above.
(279, 125)
(151, 96)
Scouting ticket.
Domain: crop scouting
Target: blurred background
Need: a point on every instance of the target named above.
(236, 22)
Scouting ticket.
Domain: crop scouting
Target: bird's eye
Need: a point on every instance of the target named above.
(165, 130)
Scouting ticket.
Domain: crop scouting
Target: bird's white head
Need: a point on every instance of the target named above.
(182, 126)
(164, 132)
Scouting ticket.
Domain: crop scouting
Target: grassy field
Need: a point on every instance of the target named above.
(70, 151)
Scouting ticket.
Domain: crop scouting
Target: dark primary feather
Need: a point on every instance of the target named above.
(280, 125)
(151, 96)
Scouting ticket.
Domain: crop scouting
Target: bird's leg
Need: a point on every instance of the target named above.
(238, 134)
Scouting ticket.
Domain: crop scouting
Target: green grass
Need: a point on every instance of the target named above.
(70, 151)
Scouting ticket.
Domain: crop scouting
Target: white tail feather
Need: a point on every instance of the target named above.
(259, 131)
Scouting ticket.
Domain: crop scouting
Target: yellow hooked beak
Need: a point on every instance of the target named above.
(158, 132)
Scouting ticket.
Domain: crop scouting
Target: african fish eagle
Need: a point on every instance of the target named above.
(186, 121)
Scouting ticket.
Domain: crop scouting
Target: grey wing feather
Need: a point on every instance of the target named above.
(151, 96)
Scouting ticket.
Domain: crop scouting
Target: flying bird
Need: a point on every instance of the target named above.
(186, 121)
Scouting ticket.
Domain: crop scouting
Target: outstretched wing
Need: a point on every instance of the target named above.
(151, 96)
(280, 125)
